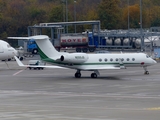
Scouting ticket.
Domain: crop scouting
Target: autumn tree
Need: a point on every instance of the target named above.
(17, 15)
(155, 16)
(56, 14)
(109, 14)
(134, 16)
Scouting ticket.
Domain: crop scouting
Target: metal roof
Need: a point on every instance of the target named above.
(62, 24)
(70, 23)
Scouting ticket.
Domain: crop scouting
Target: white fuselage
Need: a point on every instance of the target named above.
(104, 61)
(6, 51)
(88, 62)
(83, 61)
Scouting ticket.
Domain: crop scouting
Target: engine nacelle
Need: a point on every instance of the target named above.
(74, 58)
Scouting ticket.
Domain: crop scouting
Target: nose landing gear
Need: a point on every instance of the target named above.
(146, 72)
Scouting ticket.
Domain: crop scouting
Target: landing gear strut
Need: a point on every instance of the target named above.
(146, 72)
(78, 74)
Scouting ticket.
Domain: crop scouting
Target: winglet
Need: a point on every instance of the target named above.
(19, 62)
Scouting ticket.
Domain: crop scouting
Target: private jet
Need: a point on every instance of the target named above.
(86, 62)
(6, 51)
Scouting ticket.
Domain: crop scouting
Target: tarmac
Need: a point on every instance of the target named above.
(55, 94)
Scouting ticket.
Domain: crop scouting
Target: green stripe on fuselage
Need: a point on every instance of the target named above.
(49, 60)
(42, 55)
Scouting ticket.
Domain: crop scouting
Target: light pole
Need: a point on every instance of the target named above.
(67, 13)
(75, 14)
(128, 16)
(128, 20)
(141, 32)
(63, 10)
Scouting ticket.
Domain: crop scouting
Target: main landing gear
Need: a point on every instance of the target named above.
(93, 75)
(146, 72)
(78, 74)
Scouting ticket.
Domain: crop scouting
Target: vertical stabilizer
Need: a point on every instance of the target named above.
(45, 47)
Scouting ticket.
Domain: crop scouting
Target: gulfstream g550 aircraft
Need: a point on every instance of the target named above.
(87, 62)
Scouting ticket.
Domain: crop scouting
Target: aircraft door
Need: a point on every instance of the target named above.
(1, 49)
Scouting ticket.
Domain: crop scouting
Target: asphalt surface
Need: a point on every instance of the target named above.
(54, 94)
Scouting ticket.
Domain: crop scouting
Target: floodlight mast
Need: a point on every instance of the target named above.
(128, 16)
(128, 19)
(67, 14)
(75, 14)
(141, 32)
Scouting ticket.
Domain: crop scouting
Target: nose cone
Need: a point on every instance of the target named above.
(15, 52)
(154, 62)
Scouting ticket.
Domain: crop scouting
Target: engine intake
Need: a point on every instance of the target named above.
(74, 58)
(62, 58)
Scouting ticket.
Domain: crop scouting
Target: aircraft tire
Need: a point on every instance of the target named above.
(146, 73)
(93, 75)
(21, 58)
(77, 75)
(35, 51)
(42, 68)
(9, 59)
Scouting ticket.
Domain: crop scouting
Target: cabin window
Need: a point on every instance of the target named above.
(116, 59)
(105, 59)
(111, 59)
(147, 56)
(100, 60)
(122, 59)
(127, 59)
(133, 59)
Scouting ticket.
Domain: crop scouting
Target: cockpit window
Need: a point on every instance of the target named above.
(8, 46)
(147, 56)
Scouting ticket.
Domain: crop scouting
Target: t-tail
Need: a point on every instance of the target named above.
(45, 47)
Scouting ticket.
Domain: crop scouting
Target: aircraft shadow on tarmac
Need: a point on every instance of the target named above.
(102, 78)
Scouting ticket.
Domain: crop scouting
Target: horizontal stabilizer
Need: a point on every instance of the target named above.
(30, 37)
(101, 68)
(35, 66)
(19, 62)
(19, 38)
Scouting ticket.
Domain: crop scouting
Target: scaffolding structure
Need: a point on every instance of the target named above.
(58, 28)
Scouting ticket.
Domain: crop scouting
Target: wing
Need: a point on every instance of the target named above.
(35, 66)
(108, 67)
(105, 67)
(99, 67)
